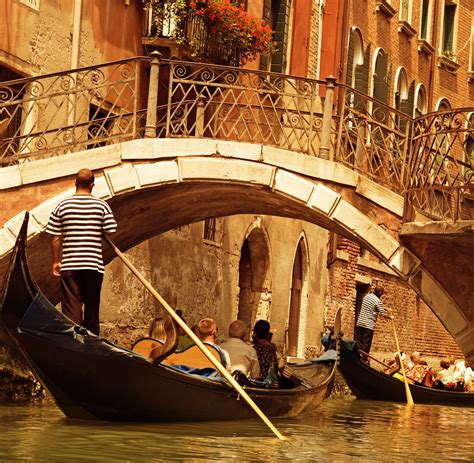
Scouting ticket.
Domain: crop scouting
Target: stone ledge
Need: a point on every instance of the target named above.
(437, 228)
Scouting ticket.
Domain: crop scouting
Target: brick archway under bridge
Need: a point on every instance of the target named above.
(155, 185)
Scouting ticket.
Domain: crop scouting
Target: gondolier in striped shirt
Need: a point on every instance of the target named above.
(371, 308)
(77, 225)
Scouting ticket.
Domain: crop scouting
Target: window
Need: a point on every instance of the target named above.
(212, 232)
(277, 13)
(425, 23)
(405, 10)
(11, 118)
(420, 101)
(401, 100)
(449, 29)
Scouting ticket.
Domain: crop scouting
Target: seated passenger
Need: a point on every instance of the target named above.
(157, 329)
(242, 356)
(418, 370)
(415, 359)
(206, 331)
(184, 341)
(266, 353)
(444, 379)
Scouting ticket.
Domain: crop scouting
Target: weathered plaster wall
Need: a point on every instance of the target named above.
(202, 278)
(39, 42)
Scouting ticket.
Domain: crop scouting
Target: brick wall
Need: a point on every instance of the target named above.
(417, 327)
(381, 30)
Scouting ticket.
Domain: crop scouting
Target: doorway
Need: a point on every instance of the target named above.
(254, 280)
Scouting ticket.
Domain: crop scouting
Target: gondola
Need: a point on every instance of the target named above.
(367, 383)
(91, 378)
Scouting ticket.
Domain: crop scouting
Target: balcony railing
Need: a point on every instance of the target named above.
(428, 159)
(162, 21)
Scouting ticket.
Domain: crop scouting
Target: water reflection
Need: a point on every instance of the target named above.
(339, 431)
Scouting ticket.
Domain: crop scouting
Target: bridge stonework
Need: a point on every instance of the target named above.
(155, 185)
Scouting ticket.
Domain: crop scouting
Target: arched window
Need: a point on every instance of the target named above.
(380, 76)
(401, 88)
(420, 101)
(355, 57)
(443, 104)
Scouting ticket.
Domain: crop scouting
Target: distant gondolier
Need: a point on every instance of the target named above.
(77, 225)
(371, 308)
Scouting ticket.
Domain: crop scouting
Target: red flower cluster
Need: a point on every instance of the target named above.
(232, 28)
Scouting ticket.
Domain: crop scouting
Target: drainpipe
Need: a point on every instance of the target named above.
(76, 40)
(345, 6)
(434, 56)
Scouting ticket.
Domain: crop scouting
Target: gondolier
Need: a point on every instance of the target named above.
(77, 225)
(371, 308)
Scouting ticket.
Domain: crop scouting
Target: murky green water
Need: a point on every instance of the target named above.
(342, 430)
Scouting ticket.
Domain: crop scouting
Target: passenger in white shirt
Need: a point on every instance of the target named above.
(242, 356)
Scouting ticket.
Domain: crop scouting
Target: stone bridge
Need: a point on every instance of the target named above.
(155, 185)
(213, 141)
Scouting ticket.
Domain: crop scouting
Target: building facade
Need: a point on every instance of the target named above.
(413, 56)
(416, 57)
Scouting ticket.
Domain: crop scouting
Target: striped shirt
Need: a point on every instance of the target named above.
(82, 220)
(370, 308)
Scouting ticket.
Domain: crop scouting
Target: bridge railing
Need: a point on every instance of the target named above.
(69, 111)
(428, 159)
(243, 105)
(373, 138)
(440, 180)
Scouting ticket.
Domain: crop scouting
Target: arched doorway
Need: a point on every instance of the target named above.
(254, 280)
(298, 301)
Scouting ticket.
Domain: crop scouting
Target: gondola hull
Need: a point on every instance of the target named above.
(370, 384)
(91, 378)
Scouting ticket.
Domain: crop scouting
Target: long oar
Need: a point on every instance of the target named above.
(197, 341)
(407, 387)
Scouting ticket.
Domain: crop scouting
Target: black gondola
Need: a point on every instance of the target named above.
(367, 383)
(91, 378)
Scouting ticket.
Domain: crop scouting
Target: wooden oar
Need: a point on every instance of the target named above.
(407, 387)
(373, 358)
(202, 347)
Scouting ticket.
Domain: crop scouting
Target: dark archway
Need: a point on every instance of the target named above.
(254, 278)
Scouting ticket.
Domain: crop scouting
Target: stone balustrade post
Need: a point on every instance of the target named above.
(152, 105)
(325, 146)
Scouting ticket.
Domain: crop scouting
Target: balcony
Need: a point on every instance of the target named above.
(214, 32)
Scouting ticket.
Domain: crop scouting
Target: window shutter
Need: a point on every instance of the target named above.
(267, 8)
(280, 35)
(449, 14)
(362, 80)
(350, 58)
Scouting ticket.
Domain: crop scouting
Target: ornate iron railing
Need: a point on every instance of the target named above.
(440, 171)
(242, 105)
(69, 111)
(429, 160)
(373, 138)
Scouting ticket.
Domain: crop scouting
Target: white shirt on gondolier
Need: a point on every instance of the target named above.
(82, 220)
(371, 307)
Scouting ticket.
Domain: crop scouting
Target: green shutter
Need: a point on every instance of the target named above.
(267, 9)
(362, 74)
(350, 58)
(281, 13)
(449, 15)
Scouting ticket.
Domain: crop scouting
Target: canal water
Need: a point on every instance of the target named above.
(341, 430)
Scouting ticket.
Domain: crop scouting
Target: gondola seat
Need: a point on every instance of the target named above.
(191, 356)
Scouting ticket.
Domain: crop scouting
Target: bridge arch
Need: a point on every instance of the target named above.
(161, 184)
